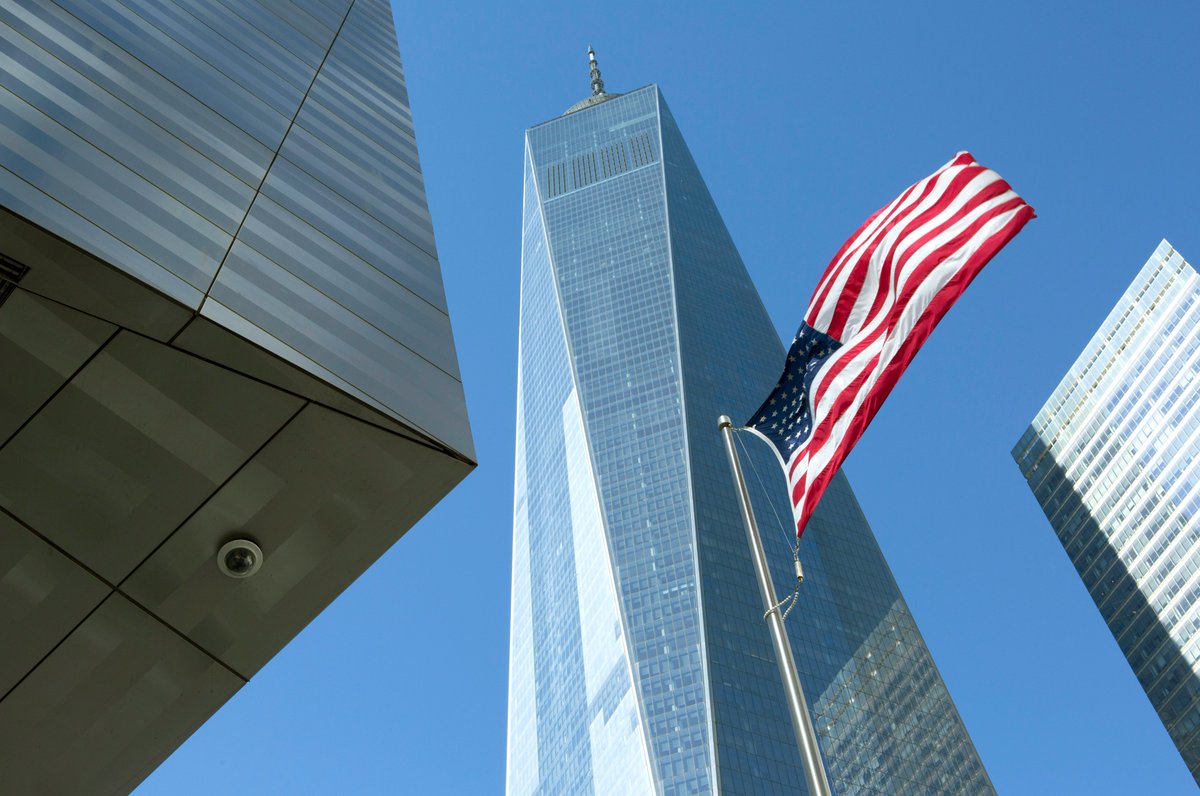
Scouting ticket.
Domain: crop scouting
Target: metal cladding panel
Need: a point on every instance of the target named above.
(337, 255)
(114, 78)
(43, 596)
(95, 98)
(326, 496)
(221, 297)
(260, 153)
(69, 276)
(219, 343)
(107, 705)
(45, 343)
(123, 453)
(125, 464)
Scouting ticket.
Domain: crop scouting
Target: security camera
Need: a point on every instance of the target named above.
(239, 558)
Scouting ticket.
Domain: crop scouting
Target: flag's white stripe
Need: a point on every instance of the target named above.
(897, 241)
(889, 344)
(840, 371)
(841, 270)
(798, 505)
(875, 321)
(958, 257)
(886, 346)
(884, 217)
(920, 260)
(914, 205)
(855, 363)
(903, 275)
(899, 244)
(981, 183)
(867, 361)
(967, 193)
(845, 266)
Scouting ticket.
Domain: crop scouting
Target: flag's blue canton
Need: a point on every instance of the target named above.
(786, 416)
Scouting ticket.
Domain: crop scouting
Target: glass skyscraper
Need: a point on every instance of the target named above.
(639, 661)
(1112, 459)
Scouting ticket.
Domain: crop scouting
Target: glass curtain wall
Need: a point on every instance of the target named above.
(637, 636)
(1111, 459)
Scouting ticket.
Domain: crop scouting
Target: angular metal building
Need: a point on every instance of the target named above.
(639, 660)
(221, 317)
(1111, 459)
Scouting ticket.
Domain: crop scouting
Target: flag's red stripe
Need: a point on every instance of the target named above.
(887, 286)
(891, 374)
(848, 296)
(912, 218)
(887, 379)
(963, 159)
(829, 277)
(798, 490)
(922, 271)
(863, 250)
(861, 290)
(837, 266)
(919, 273)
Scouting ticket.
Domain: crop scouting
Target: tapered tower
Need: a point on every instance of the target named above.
(639, 658)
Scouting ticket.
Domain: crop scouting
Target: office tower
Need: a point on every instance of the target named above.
(1111, 460)
(223, 318)
(639, 661)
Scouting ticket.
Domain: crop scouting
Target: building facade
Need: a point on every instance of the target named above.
(221, 318)
(1111, 459)
(639, 660)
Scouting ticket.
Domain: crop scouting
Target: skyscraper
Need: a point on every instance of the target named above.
(1111, 459)
(639, 658)
(221, 322)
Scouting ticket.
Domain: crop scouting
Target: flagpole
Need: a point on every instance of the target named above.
(806, 735)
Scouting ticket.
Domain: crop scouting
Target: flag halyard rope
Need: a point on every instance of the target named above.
(793, 542)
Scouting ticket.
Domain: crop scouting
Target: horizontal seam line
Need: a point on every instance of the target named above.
(404, 418)
(149, 68)
(181, 45)
(99, 88)
(342, 246)
(95, 255)
(320, 292)
(144, 178)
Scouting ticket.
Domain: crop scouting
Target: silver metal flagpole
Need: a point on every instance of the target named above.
(806, 735)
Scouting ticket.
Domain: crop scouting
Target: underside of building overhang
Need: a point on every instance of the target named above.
(137, 436)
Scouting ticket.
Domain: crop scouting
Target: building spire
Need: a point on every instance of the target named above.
(598, 94)
(597, 83)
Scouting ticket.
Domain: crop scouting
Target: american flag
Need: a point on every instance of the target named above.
(873, 308)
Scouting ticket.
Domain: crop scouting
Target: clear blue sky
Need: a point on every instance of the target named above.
(804, 118)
